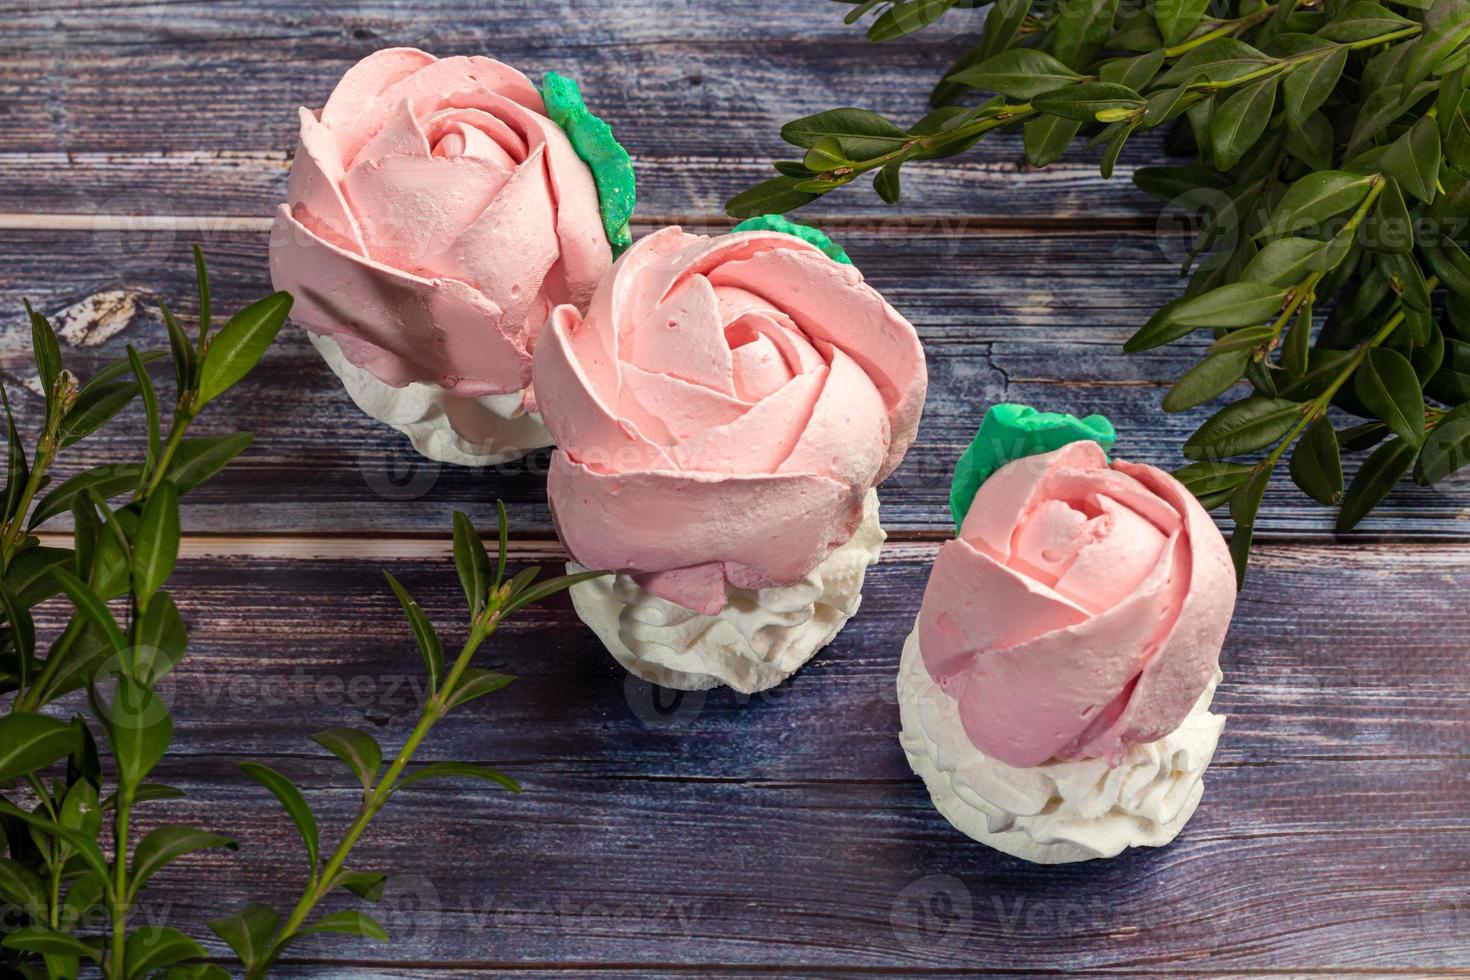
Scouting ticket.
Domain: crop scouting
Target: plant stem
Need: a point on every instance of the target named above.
(176, 431)
(34, 695)
(433, 711)
(13, 535)
(116, 966)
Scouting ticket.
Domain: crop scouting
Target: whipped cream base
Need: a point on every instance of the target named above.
(441, 425)
(759, 639)
(1060, 811)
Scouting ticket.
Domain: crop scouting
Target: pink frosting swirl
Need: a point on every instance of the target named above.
(1081, 609)
(722, 411)
(435, 218)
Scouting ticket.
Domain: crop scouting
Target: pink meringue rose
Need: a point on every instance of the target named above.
(722, 410)
(435, 217)
(1081, 610)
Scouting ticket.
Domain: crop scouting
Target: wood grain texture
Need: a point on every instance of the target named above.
(190, 108)
(785, 831)
(1004, 316)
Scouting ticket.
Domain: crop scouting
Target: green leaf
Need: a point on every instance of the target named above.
(1380, 109)
(1447, 447)
(206, 307)
(248, 932)
(240, 344)
(440, 770)
(1001, 25)
(294, 803)
(94, 408)
(861, 133)
(106, 481)
(185, 360)
(1221, 60)
(152, 948)
(1283, 262)
(166, 844)
(1019, 73)
(1080, 29)
(430, 646)
(1083, 102)
(1315, 198)
(21, 887)
(1308, 85)
(139, 726)
(161, 639)
(91, 608)
(503, 545)
(1387, 385)
(18, 471)
(196, 460)
(80, 810)
(146, 793)
(907, 17)
(47, 353)
(22, 631)
(1242, 427)
(1160, 329)
(1380, 473)
(1311, 142)
(1244, 339)
(156, 545)
(359, 750)
(1413, 159)
(1446, 27)
(348, 922)
(477, 683)
(472, 563)
(29, 743)
(1245, 503)
(49, 942)
(825, 155)
(1295, 350)
(1046, 138)
(1362, 20)
(1211, 377)
(366, 885)
(1316, 464)
(150, 408)
(1235, 305)
(1240, 120)
(887, 182)
(774, 196)
(1177, 18)
(1134, 72)
(83, 845)
(548, 588)
(1392, 229)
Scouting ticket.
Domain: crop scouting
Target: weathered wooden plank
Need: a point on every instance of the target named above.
(189, 108)
(785, 831)
(1005, 316)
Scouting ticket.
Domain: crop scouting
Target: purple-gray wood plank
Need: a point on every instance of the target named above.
(714, 835)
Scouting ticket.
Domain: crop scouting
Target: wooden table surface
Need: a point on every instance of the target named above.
(712, 834)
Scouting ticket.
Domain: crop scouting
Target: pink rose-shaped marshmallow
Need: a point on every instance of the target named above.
(435, 218)
(722, 410)
(1080, 611)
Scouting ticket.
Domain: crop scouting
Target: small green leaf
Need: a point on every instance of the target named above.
(472, 563)
(348, 922)
(1046, 138)
(152, 948)
(1447, 447)
(1081, 28)
(477, 683)
(503, 544)
(1316, 464)
(185, 360)
(1240, 120)
(21, 887)
(887, 182)
(47, 353)
(1244, 339)
(150, 409)
(548, 588)
(156, 544)
(774, 196)
(91, 608)
(1177, 18)
(95, 407)
(1245, 503)
(1235, 305)
(1387, 385)
(196, 460)
(206, 306)
(240, 344)
(861, 133)
(1222, 60)
(18, 470)
(248, 932)
(1083, 102)
(106, 481)
(440, 770)
(1308, 85)
(1160, 329)
(1446, 27)
(1361, 20)
(294, 803)
(29, 743)
(49, 942)
(1392, 229)
(1208, 379)
(1380, 473)
(1311, 142)
(166, 844)
(1283, 262)
(430, 647)
(1413, 159)
(1020, 73)
(83, 845)
(1315, 198)
(138, 725)
(1002, 23)
(1242, 427)
(359, 750)
(366, 885)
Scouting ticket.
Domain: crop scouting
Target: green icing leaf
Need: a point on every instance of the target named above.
(774, 222)
(1011, 432)
(594, 142)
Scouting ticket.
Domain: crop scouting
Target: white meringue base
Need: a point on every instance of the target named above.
(449, 428)
(759, 639)
(1060, 811)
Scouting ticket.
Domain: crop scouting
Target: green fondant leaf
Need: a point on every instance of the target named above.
(774, 222)
(594, 142)
(1011, 432)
